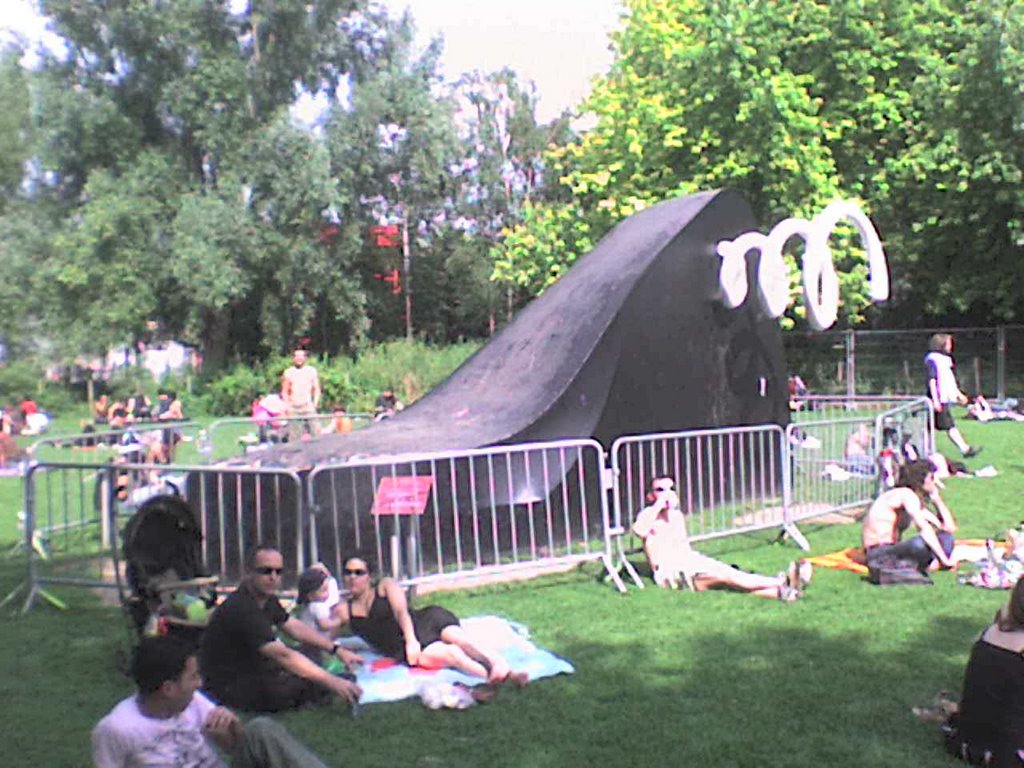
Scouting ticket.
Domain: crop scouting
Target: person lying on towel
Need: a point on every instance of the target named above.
(431, 637)
(662, 526)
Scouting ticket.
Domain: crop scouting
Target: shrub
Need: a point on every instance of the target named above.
(232, 393)
(411, 368)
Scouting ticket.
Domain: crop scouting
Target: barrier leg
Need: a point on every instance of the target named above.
(790, 530)
(30, 599)
(621, 563)
(613, 573)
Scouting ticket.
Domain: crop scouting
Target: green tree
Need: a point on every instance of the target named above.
(502, 174)
(391, 149)
(15, 125)
(188, 198)
(914, 108)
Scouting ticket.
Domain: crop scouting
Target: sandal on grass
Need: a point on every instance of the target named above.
(788, 594)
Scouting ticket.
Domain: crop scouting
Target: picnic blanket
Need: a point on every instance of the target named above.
(852, 558)
(384, 679)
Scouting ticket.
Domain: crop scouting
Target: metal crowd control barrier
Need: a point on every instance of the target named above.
(912, 421)
(230, 437)
(823, 478)
(729, 480)
(827, 476)
(456, 515)
(816, 407)
(74, 512)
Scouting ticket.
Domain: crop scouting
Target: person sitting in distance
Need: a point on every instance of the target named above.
(662, 526)
(386, 405)
(169, 723)
(858, 451)
(896, 509)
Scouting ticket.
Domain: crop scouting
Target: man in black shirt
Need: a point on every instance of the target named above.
(243, 662)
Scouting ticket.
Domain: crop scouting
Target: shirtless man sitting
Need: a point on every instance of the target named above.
(894, 511)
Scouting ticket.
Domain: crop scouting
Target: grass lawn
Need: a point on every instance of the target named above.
(663, 678)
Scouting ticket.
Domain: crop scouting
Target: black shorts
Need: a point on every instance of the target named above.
(429, 622)
(944, 419)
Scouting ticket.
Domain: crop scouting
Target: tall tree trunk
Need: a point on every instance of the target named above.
(215, 338)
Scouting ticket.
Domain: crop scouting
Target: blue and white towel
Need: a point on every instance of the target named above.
(383, 679)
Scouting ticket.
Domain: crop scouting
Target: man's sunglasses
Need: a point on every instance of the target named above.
(354, 571)
(266, 570)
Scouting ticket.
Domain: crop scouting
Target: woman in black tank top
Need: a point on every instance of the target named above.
(430, 637)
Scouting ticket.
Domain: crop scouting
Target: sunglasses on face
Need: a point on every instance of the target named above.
(662, 489)
(266, 570)
(354, 571)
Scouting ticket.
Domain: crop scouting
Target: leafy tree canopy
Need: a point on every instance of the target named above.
(914, 108)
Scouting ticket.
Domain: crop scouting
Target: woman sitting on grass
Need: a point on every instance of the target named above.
(429, 637)
(989, 728)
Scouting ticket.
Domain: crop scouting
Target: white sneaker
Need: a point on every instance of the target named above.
(805, 571)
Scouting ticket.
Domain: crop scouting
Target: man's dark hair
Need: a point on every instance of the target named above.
(158, 659)
(263, 546)
(913, 474)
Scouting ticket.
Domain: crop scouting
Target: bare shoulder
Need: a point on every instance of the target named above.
(895, 498)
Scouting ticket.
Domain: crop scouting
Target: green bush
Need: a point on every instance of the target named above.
(232, 393)
(24, 378)
(410, 368)
(20, 379)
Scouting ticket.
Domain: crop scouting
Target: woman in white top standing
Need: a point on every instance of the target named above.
(944, 391)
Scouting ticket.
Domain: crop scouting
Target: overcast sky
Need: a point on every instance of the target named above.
(559, 44)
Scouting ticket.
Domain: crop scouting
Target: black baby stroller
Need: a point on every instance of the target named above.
(170, 590)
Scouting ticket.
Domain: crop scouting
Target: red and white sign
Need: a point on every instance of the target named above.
(401, 496)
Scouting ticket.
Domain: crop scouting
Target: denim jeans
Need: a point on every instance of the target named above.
(914, 549)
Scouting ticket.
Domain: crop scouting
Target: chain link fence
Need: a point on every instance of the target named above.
(989, 360)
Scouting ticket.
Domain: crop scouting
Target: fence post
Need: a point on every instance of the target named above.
(851, 363)
(1000, 362)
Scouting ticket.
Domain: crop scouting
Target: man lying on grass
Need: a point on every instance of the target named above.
(662, 526)
(169, 723)
(893, 512)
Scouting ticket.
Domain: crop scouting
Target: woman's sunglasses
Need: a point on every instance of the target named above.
(354, 571)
